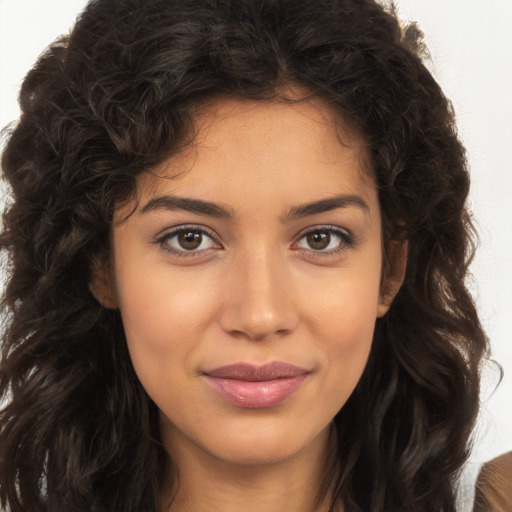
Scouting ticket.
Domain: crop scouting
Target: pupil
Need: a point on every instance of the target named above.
(319, 240)
(190, 240)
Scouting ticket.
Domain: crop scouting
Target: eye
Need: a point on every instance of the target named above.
(187, 240)
(325, 239)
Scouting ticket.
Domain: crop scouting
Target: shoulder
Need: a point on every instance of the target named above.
(493, 491)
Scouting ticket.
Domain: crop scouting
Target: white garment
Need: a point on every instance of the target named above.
(466, 487)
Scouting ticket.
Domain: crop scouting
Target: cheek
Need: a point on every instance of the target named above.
(349, 336)
(347, 351)
(163, 320)
(345, 304)
(344, 327)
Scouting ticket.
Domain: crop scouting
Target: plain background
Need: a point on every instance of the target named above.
(470, 42)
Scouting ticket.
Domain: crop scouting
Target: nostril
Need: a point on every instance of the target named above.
(258, 335)
(257, 326)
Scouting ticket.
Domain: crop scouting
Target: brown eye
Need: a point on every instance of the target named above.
(318, 240)
(325, 240)
(190, 240)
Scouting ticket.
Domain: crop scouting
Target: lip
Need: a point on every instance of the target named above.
(256, 387)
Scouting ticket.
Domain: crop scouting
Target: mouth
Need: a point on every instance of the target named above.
(256, 387)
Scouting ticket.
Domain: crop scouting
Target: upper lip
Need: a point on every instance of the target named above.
(255, 373)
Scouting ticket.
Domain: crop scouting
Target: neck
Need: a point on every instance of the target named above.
(207, 484)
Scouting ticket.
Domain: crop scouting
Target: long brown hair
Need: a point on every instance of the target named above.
(115, 98)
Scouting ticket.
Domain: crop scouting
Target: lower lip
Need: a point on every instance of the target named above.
(256, 395)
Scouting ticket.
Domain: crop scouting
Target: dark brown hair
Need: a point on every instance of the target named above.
(117, 97)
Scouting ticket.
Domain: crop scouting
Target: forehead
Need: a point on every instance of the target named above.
(291, 151)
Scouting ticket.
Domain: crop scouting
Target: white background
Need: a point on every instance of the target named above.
(470, 42)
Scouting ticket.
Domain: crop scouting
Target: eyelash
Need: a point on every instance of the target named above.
(347, 241)
(169, 235)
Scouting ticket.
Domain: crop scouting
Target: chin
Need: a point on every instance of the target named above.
(258, 452)
(264, 444)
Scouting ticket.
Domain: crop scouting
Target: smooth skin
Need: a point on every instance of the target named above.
(259, 242)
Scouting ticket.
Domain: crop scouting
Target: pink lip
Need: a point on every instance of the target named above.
(256, 387)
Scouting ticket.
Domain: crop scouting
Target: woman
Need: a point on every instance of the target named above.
(238, 243)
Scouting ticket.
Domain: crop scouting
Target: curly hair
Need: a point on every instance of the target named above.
(117, 97)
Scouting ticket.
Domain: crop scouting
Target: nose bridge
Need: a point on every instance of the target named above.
(259, 302)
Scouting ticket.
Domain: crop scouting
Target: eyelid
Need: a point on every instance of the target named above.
(170, 232)
(348, 240)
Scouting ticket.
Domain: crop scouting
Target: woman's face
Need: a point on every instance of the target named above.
(248, 280)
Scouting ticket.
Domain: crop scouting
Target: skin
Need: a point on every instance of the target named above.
(256, 289)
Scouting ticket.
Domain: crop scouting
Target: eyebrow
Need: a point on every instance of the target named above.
(325, 205)
(199, 206)
(187, 204)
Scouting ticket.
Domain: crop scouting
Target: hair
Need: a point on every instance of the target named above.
(117, 97)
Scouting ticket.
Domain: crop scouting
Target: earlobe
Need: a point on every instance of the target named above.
(394, 274)
(101, 284)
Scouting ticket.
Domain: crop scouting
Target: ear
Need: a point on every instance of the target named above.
(101, 284)
(393, 274)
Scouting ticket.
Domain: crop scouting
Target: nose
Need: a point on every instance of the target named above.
(258, 300)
